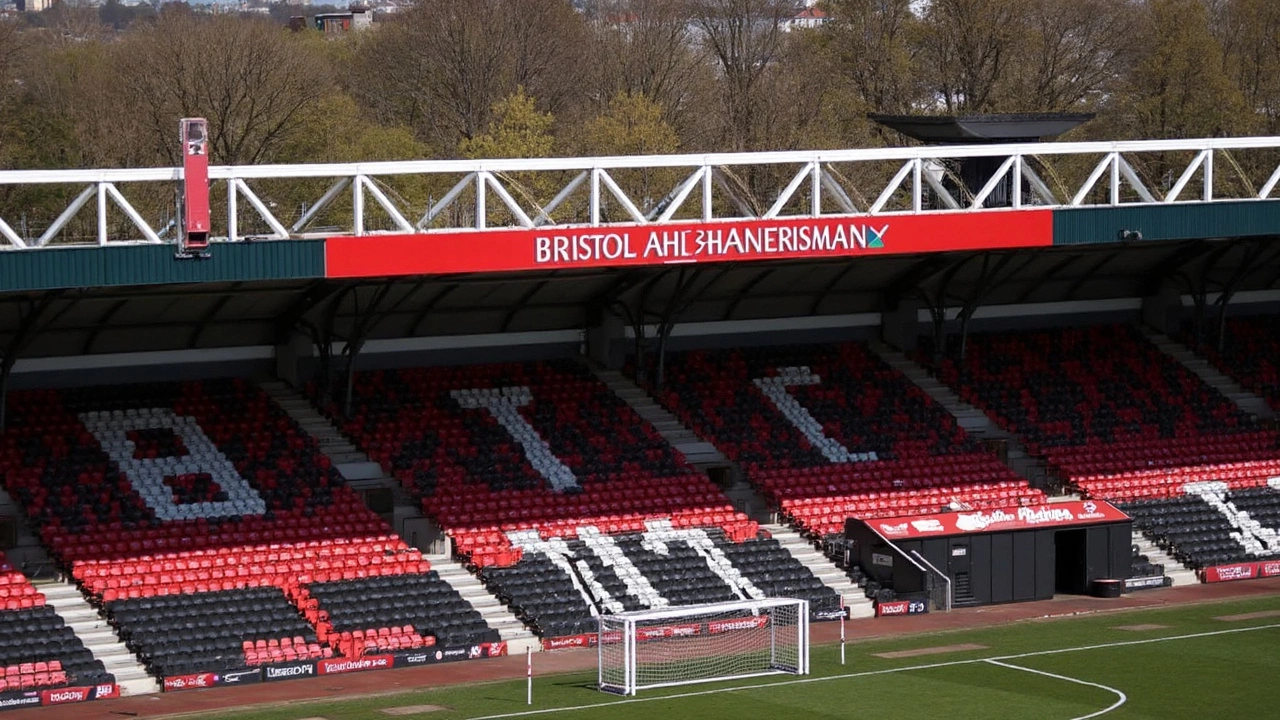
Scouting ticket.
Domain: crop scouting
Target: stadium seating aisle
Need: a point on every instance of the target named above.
(829, 431)
(543, 477)
(199, 518)
(1119, 420)
(37, 650)
(1250, 356)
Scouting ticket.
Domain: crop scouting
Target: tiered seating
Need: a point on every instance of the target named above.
(557, 450)
(1115, 416)
(1250, 355)
(1121, 421)
(1200, 535)
(37, 650)
(201, 520)
(16, 592)
(516, 461)
(832, 431)
(375, 612)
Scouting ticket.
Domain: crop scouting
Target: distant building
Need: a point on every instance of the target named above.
(808, 18)
(343, 22)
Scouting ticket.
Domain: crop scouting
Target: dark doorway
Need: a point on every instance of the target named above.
(959, 566)
(1072, 573)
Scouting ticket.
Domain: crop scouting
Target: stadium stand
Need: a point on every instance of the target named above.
(539, 473)
(200, 520)
(37, 650)
(1119, 420)
(831, 431)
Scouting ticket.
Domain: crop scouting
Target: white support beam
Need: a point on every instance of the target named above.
(621, 197)
(1038, 185)
(1092, 180)
(521, 217)
(81, 200)
(837, 192)
(8, 234)
(785, 196)
(887, 194)
(681, 194)
(143, 226)
(318, 206)
(544, 213)
(1134, 181)
(1270, 184)
(389, 207)
(278, 230)
(446, 201)
(1186, 176)
(357, 206)
(1001, 173)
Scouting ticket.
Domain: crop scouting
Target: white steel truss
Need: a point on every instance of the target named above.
(327, 200)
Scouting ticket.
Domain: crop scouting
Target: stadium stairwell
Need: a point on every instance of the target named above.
(1216, 379)
(99, 638)
(972, 419)
(859, 605)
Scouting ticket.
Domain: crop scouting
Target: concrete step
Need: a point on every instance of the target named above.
(366, 470)
(695, 449)
(822, 568)
(1211, 375)
(496, 615)
(99, 638)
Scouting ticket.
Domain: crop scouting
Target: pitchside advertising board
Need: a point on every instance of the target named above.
(1241, 571)
(60, 696)
(334, 666)
(683, 243)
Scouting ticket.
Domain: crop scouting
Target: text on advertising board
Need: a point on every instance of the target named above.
(721, 241)
(1015, 518)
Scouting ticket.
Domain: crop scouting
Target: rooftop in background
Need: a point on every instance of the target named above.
(976, 129)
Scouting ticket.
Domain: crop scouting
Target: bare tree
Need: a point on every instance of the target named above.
(644, 47)
(1071, 53)
(443, 66)
(969, 46)
(745, 38)
(873, 43)
(253, 80)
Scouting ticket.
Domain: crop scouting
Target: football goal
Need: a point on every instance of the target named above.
(702, 643)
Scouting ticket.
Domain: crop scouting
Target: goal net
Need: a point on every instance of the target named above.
(701, 643)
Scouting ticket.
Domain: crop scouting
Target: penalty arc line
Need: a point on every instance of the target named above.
(873, 673)
(1122, 697)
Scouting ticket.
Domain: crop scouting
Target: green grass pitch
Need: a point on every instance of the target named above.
(1063, 669)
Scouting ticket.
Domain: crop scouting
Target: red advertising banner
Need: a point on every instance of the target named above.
(438, 253)
(1242, 571)
(335, 666)
(1087, 512)
(189, 682)
(901, 607)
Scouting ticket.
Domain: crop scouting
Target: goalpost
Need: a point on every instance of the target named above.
(702, 643)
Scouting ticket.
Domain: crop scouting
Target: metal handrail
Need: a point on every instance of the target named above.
(944, 576)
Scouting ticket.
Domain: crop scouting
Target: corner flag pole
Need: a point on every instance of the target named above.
(528, 668)
(843, 613)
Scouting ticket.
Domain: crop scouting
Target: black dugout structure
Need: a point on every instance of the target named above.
(999, 556)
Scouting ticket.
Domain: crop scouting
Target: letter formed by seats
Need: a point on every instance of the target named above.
(147, 475)
(504, 404)
(775, 388)
(1253, 536)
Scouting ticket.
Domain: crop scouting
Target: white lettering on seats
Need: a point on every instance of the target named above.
(503, 404)
(606, 548)
(1253, 536)
(660, 533)
(147, 475)
(557, 551)
(775, 388)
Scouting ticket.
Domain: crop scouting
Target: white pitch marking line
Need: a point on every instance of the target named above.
(1122, 697)
(871, 673)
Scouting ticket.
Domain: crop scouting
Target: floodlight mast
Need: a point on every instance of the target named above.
(194, 228)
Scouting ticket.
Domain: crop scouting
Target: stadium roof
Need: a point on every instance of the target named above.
(207, 315)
